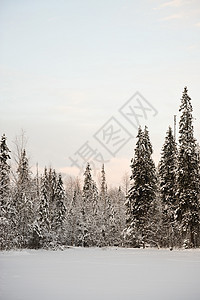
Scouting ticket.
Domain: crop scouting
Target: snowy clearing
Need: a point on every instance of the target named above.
(94, 274)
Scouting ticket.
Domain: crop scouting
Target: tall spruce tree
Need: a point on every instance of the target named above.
(4, 173)
(5, 213)
(60, 211)
(44, 213)
(89, 225)
(24, 201)
(84, 232)
(74, 219)
(141, 194)
(103, 203)
(167, 178)
(187, 177)
(74, 215)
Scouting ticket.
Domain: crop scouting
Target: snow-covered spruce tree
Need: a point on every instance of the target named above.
(103, 205)
(5, 221)
(89, 210)
(117, 199)
(59, 220)
(36, 231)
(167, 180)
(73, 205)
(74, 219)
(187, 177)
(24, 202)
(84, 232)
(4, 173)
(111, 228)
(108, 234)
(141, 195)
(44, 214)
(52, 190)
(103, 190)
(153, 232)
(51, 209)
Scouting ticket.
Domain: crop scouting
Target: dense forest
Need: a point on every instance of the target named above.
(159, 209)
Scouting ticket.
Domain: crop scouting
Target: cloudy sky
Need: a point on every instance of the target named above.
(68, 68)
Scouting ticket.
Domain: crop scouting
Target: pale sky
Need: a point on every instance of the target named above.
(67, 67)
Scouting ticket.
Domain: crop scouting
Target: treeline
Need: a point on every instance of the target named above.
(160, 209)
(39, 212)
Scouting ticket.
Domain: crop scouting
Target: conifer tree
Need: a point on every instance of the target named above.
(84, 230)
(74, 216)
(108, 228)
(49, 214)
(52, 190)
(44, 214)
(187, 176)
(89, 210)
(112, 233)
(141, 194)
(24, 200)
(88, 183)
(103, 190)
(5, 220)
(4, 173)
(60, 211)
(167, 176)
(118, 198)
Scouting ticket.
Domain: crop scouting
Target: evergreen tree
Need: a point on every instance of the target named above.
(4, 173)
(89, 211)
(60, 211)
(88, 184)
(50, 216)
(44, 214)
(108, 234)
(167, 176)
(5, 209)
(52, 193)
(142, 193)
(74, 218)
(117, 198)
(84, 230)
(111, 228)
(103, 190)
(187, 176)
(23, 201)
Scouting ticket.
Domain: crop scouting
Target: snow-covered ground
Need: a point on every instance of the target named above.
(94, 274)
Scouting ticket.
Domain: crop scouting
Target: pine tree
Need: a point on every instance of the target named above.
(142, 193)
(187, 177)
(167, 176)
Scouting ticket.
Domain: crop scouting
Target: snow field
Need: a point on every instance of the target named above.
(94, 274)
